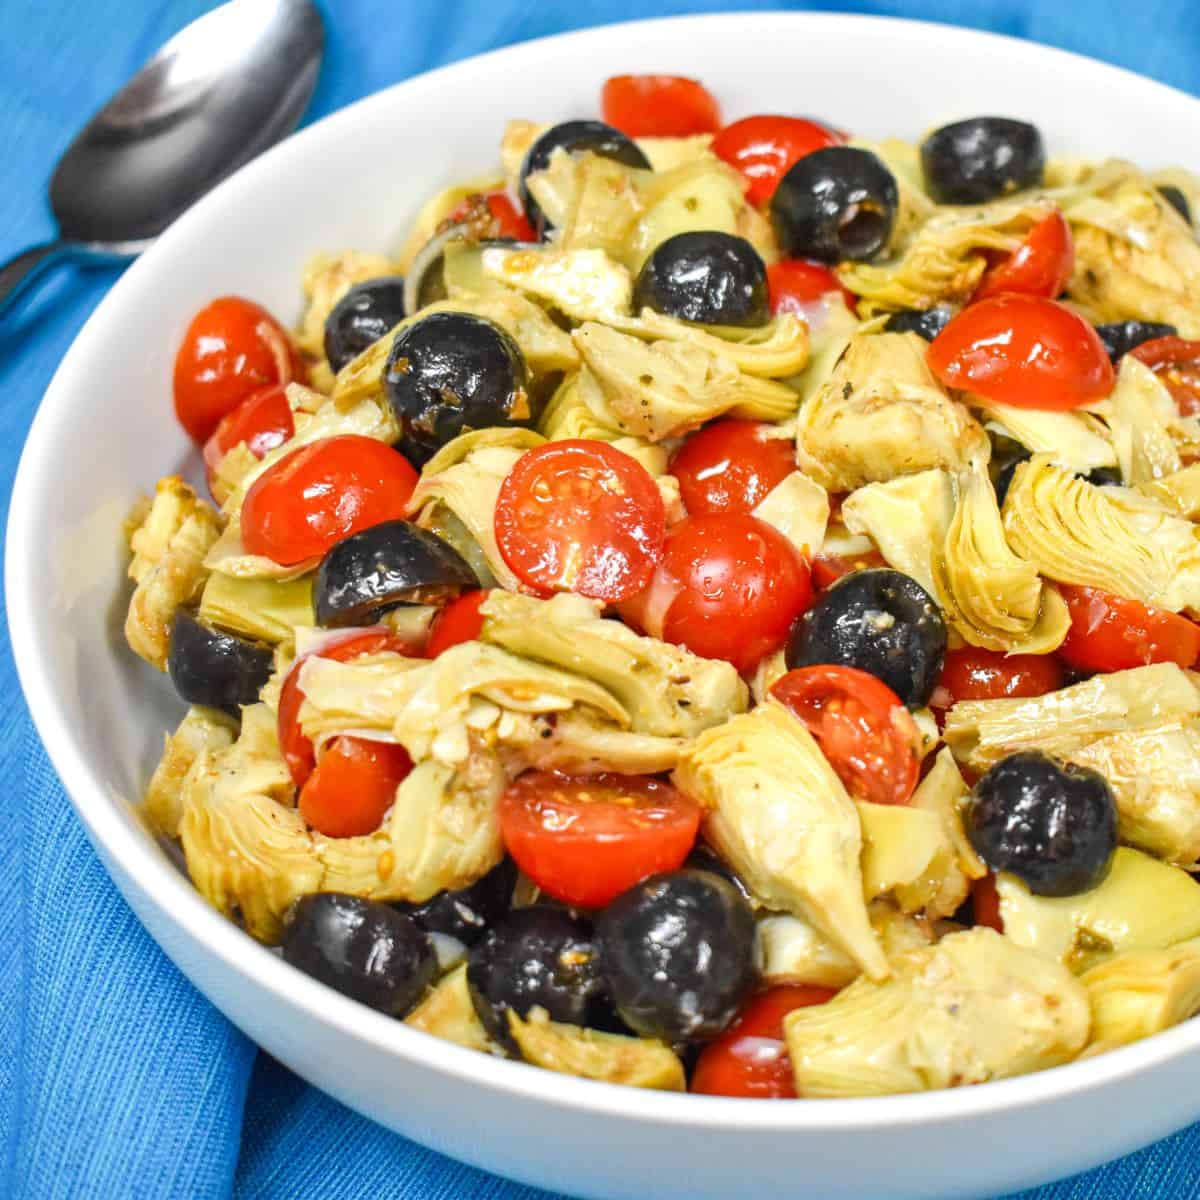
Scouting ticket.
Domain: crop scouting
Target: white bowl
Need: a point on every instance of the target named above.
(106, 431)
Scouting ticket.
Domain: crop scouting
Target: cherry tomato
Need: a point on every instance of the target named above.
(659, 106)
(970, 673)
(580, 516)
(1177, 362)
(232, 348)
(320, 493)
(1039, 266)
(1026, 351)
(730, 466)
(765, 147)
(868, 736)
(297, 750)
(510, 221)
(460, 621)
(750, 1058)
(729, 586)
(985, 900)
(353, 786)
(263, 421)
(827, 569)
(1110, 633)
(797, 285)
(587, 839)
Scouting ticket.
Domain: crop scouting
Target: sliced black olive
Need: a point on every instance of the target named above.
(880, 621)
(208, 666)
(835, 204)
(1007, 471)
(711, 277)
(1177, 200)
(364, 949)
(1122, 336)
(927, 322)
(383, 567)
(574, 137)
(450, 372)
(1050, 824)
(678, 954)
(467, 913)
(973, 161)
(535, 956)
(1105, 477)
(361, 317)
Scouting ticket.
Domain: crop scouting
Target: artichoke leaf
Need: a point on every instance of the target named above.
(770, 669)
(1077, 440)
(1140, 414)
(585, 285)
(1179, 492)
(580, 743)
(203, 731)
(449, 1013)
(436, 211)
(603, 205)
(267, 609)
(972, 1008)
(799, 508)
(569, 414)
(943, 791)
(228, 556)
(781, 817)
(326, 279)
(667, 153)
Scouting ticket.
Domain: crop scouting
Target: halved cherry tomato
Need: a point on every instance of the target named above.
(731, 465)
(232, 348)
(1039, 266)
(353, 786)
(729, 586)
(764, 148)
(827, 569)
(460, 621)
(750, 1058)
(659, 106)
(587, 839)
(1111, 633)
(580, 516)
(1177, 361)
(799, 286)
(868, 736)
(1026, 351)
(510, 221)
(297, 750)
(970, 673)
(263, 421)
(320, 493)
(985, 900)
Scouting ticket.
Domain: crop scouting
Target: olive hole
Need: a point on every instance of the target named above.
(861, 231)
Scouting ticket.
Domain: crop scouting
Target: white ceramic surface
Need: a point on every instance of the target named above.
(106, 431)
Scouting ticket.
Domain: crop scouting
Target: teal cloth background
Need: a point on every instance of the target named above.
(116, 1078)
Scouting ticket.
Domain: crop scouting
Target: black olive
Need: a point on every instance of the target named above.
(574, 137)
(927, 322)
(1122, 336)
(208, 666)
(361, 317)
(678, 954)
(878, 620)
(705, 858)
(535, 956)
(450, 372)
(711, 277)
(1007, 471)
(835, 204)
(467, 913)
(363, 949)
(1104, 477)
(1050, 824)
(1177, 200)
(973, 161)
(384, 566)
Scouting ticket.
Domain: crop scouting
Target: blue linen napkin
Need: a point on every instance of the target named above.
(117, 1079)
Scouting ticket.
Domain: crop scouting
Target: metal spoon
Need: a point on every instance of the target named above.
(222, 90)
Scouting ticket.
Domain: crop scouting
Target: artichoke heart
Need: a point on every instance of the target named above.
(591, 1054)
(585, 285)
(449, 1013)
(1140, 414)
(799, 508)
(1077, 440)
(1179, 492)
(437, 209)
(1110, 538)
(582, 743)
(202, 731)
(972, 1008)
(781, 817)
(169, 538)
(597, 199)
(882, 414)
(666, 690)
(267, 609)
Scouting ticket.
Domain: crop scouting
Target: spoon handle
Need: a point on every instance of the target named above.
(18, 273)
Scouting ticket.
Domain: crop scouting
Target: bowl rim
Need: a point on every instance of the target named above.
(169, 891)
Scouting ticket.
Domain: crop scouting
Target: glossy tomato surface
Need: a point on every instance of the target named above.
(970, 673)
(1176, 361)
(763, 148)
(263, 421)
(659, 106)
(731, 466)
(460, 621)
(1040, 265)
(353, 786)
(800, 286)
(1112, 633)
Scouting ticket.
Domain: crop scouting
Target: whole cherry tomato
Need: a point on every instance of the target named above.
(1176, 361)
(970, 673)
(263, 421)
(659, 106)
(765, 147)
(731, 466)
(1039, 266)
(1111, 633)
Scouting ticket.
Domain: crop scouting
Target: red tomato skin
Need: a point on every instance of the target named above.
(659, 106)
(764, 148)
(584, 840)
(263, 421)
(353, 786)
(580, 516)
(1177, 361)
(795, 285)
(322, 492)
(743, 1061)
(827, 569)
(1111, 633)
(1026, 351)
(460, 621)
(985, 900)
(1039, 266)
(510, 221)
(731, 466)
(232, 348)
(970, 673)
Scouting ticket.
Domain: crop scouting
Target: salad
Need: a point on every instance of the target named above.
(714, 610)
